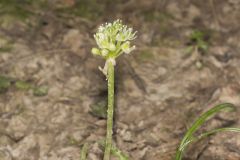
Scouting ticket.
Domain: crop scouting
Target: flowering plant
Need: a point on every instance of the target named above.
(113, 39)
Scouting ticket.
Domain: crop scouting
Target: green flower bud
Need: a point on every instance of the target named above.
(96, 51)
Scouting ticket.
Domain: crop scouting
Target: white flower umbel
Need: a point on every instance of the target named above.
(113, 39)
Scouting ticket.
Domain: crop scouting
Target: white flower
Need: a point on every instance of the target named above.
(113, 39)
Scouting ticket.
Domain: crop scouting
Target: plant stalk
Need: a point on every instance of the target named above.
(110, 110)
(84, 152)
(178, 155)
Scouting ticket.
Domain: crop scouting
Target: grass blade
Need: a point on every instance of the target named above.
(188, 138)
(206, 134)
(209, 133)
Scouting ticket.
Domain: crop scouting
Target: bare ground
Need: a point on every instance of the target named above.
(160, 88)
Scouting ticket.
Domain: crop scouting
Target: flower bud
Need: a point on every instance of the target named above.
(95, 51)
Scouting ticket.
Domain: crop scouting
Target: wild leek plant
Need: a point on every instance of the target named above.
(113, 39)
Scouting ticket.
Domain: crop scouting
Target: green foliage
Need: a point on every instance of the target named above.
(84, 151)
(198, 39)
(189, 136)
(40, 91)
(22, 85)
(5, 83)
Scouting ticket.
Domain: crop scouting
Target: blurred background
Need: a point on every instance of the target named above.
(53, 97)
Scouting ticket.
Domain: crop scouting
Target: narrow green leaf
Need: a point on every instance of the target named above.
(209, 133)
(206, 134)
(188, 138)
(204, 117)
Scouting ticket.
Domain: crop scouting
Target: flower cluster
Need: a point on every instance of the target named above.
(113, 39)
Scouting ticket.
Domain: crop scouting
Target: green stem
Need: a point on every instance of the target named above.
(178, 155)
(108, 143)
(84, 152)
